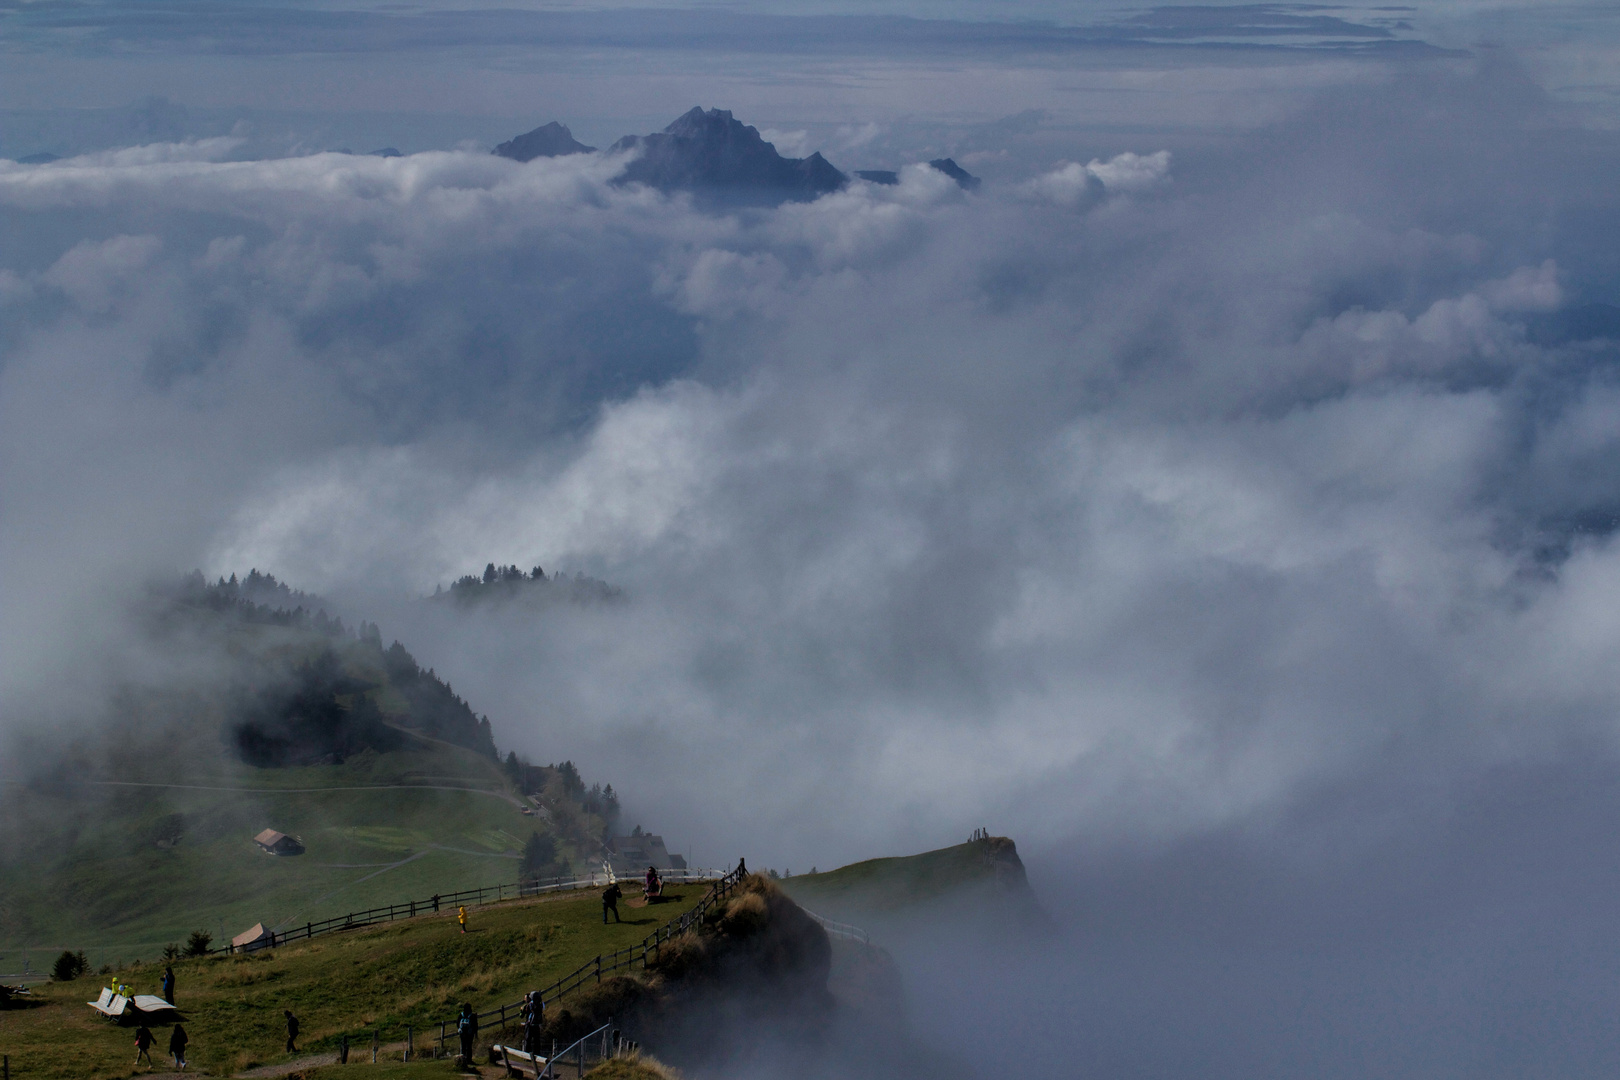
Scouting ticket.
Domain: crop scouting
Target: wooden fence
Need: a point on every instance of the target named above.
(607, 963)
(410, 909)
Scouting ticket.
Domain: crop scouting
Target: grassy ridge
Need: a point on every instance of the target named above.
(99, 871)
(414, 971)
(898, 881)
(878, 886)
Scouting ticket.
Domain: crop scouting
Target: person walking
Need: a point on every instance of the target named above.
(292, 1031)
(177, 1047)
(143, 1044)
(610, 902)
(461, 917)
(168, 984)
(534, 1015)
(467, 1028)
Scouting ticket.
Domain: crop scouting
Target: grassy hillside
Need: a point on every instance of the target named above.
(414, 971)
(252, 716)
(119, 870)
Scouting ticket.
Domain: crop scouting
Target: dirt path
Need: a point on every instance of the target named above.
(358, 1054)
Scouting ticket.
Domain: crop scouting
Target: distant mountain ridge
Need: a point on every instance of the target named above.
(888, 177)
(711, 151)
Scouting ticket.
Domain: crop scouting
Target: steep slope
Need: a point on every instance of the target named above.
(757, 961)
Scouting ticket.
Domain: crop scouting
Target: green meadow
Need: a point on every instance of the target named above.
(412, 972)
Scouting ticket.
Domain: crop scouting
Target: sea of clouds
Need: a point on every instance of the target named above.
(1225, 525)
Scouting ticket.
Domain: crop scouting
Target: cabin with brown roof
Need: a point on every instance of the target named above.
(279, 843)
(253, 940)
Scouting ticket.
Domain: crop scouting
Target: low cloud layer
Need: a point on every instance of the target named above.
(1263, 493)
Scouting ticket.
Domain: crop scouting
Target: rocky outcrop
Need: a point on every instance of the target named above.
(552, 140)
(712, 151)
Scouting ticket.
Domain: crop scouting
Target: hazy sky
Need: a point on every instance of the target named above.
(1221, 501)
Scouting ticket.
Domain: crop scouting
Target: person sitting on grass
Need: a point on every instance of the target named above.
(654, 885)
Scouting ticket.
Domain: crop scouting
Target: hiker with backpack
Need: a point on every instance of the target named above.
(467, 1028)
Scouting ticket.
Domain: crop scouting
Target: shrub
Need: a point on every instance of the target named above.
(69, 966)
(171, 951)
(197, 944)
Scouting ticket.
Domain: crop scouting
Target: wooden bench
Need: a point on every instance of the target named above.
(517, 1060)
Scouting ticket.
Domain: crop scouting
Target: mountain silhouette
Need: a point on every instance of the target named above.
(552, 140)
(964, 179)
(710, 150)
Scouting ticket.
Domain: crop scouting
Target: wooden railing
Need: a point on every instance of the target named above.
(410, 909)
(607, 963)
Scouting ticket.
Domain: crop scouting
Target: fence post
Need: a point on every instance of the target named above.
(598, 967)
(376, 1041)
(410, 1043)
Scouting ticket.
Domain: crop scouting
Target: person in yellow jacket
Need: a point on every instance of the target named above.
(461, 917)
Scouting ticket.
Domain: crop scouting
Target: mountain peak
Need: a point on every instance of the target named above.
(711, 150)
(964, 179)
(550, 140)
